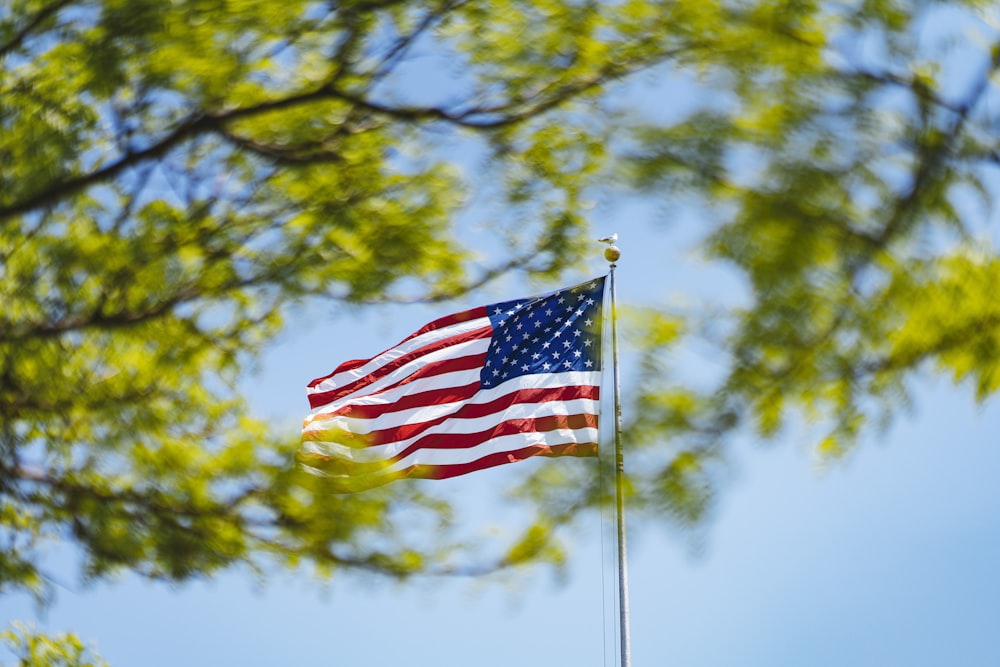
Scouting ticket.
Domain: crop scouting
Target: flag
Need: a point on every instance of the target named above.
(487, 386)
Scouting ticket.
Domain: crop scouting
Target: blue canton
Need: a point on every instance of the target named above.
(555, 333)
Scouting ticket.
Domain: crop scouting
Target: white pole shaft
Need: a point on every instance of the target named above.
(626, 652)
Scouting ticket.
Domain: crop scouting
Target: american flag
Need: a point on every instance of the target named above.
(473, 390)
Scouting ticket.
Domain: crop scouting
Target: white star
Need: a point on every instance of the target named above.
(567, 364)
(566, 343)
(589, 363)
(548, 311)
(498, 311)
(588, 321)
(577, 353)
(546, 366)
(590, 302)
(546, 344)
(576, 332)
(587, 342)
(524, 367)
(536, 355)
(562, 300)
(495, 372)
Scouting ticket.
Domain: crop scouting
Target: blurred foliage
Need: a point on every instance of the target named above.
(842, 160)
(849, 181)
(33, 648)
(174, 175)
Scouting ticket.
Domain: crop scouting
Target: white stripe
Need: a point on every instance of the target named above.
(393, 394)
(459, 378)
(507, 443)
(453, 352)
(393, 353)
(360, 426)
(329, 446)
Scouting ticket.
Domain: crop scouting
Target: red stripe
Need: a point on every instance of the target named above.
(433, 369)
(343, 368)
(449, 320)
(448, 365)
(466, 440)
(405, 402)
(466, 411)
(323, 397)
(369, 481)
(440, 323)
(500, 458)
(512, 427)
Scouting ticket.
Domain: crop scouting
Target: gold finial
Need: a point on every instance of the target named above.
(612, 252)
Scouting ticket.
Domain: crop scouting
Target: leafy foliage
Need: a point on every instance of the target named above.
(39, 650)
(849, 182)
(175, 176)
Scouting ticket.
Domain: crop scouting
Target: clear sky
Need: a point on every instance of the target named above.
(890, 558)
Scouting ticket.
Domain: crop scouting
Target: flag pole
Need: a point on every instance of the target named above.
(612, 253)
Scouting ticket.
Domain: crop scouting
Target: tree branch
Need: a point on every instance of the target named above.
(18, 39)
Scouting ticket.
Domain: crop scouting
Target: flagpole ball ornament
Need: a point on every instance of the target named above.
(612, 252)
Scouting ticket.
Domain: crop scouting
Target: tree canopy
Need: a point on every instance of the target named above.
(852, 188)
(174, 176)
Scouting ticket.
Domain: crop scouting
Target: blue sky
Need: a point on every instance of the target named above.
(888, 558)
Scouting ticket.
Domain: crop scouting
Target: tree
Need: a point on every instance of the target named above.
(844, 175)
(850, 184)
(176, 177)
(33, 648)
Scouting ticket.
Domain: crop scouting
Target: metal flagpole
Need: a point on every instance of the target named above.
(612, 253)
